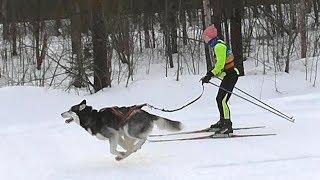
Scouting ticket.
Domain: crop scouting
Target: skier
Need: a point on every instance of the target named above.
(225, 70)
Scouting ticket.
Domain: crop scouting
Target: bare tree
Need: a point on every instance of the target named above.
(236, 38)
(77, 45)
(206, 21)
(303, 28)
(122, 42)
(101, 53)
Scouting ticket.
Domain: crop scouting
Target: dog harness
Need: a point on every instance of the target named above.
(122, 117)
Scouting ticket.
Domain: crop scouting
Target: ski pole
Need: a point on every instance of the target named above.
(248, 100)
(262, 102)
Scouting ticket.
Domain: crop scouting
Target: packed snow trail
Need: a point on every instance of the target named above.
(35, 143)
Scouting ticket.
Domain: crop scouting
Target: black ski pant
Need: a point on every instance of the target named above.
(228, 83)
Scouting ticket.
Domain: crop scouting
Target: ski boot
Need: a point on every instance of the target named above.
(225, 128)
(217, 126)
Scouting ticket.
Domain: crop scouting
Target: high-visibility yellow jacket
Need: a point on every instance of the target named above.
(224, 58)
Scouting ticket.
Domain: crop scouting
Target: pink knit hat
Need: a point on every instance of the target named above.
(209, 33)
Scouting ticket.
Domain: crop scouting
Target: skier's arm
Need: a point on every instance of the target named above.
(221, 55)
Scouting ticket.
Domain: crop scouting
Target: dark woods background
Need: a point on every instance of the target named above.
(92, 43)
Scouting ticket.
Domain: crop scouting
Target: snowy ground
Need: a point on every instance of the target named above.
(35, 143)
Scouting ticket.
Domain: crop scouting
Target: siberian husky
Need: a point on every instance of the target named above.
(128, 127)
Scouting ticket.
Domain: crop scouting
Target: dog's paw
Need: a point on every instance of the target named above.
(118, 158)
(121, 155)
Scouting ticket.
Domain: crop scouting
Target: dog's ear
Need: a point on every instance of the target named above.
(82, 105)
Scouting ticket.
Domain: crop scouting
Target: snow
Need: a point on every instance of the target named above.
(35, 143)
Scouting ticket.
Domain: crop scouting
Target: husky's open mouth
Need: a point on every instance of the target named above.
(69, 120)
(68, 116)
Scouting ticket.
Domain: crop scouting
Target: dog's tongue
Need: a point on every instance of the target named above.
(69, 120)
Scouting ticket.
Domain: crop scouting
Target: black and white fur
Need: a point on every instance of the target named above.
(105, 126)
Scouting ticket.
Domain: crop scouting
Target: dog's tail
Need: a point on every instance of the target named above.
(167, 124)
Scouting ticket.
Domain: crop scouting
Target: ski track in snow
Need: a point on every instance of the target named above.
(35, 143)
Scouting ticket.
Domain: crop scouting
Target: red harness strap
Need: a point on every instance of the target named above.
(124, 117)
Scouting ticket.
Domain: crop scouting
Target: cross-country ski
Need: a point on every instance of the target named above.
(213, 136)
(206, 130)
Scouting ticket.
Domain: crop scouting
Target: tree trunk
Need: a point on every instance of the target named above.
(303, 28)
(287, 63)
(13, 30)
(174, 42)
(183, 22)
(255, 11)
(75, 28)
(316, 12)
(207, 12)
(167, 37)
(280, 17)
(153, 33)
(77, 45)
(37, 28)
(217, 13)
(146, 30)
(57, 26)
(5, 33)
(268, 10)
(226, 30)
(206, 21)
(37, 37)
(293, 15)
(172, 20)
(101, 62)
(236, 40)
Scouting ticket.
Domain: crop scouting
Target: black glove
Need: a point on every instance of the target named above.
(207, 77)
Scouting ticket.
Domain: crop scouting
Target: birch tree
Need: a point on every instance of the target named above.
(207, 22)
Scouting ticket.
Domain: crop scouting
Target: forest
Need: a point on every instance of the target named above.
(159, 89)
(93, 44)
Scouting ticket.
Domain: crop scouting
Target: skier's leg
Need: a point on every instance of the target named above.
(224, 94)
(233, 78)
(228, 83)
(225, 126)
(219, 99)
